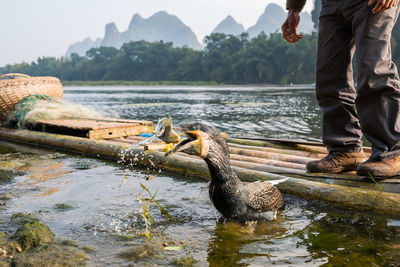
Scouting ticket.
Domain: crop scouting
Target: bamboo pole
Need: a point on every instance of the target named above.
(272, 166)
(136, 138)
(249, 142)
(341, 196)
(349, 181)
(270, 155)
(282, 141)
(293, 172)
(282, 151)
(269, 162)
(124, 140)
(315, 147)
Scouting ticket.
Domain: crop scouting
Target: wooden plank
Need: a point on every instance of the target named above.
(94, 128)
(86, 124)
(109, 133)
(125, 120)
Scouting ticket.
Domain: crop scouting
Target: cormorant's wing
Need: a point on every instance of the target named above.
(264, 196)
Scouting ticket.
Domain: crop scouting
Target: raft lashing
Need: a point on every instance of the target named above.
(263, 159)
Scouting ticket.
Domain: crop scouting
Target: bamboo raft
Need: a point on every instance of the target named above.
(264, 159)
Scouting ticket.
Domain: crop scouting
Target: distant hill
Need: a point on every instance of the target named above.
(80, 48)
(273, 17)
(169, 28)
(229, 26)
(159, 27)
(112, 37)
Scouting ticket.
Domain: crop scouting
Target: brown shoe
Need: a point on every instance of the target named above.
(380, 168)
(337, 161)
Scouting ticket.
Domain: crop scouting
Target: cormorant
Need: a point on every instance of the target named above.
(234, 199)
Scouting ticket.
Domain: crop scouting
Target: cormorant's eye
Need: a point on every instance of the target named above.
(193, 128)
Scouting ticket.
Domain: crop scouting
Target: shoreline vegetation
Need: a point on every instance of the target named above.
(225, 59)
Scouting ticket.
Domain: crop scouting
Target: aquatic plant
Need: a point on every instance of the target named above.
(373, 180)
(146, 214)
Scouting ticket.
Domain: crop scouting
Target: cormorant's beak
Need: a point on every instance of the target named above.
(192, 145)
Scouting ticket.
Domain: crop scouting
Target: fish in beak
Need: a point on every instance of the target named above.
(169, 135)
(194, 144)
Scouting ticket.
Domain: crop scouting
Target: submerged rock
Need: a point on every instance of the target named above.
(6, 176)
(20, 218)
(185, 261)
(33, 245)
(5, 196)
(63, 207)
(55, 254)
(33, 234)
(3, 239)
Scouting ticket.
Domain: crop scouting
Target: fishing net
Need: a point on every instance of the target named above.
(42, 107)
(27, 104)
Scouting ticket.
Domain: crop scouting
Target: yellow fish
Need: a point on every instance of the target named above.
(169, 135)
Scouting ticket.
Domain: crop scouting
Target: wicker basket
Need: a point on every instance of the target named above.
(15, 86)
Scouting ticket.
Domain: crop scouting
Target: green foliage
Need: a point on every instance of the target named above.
(225, 59)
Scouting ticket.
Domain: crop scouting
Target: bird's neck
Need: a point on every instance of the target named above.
(218, 162)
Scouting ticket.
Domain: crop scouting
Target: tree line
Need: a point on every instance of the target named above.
(225, 59)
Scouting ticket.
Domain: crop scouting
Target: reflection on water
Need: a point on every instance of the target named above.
(93, 201)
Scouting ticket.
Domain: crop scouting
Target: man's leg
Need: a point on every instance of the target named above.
(334, 84)
(378, 102)
(335, 92)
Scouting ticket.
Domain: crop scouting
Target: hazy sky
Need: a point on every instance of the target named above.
(33, 28)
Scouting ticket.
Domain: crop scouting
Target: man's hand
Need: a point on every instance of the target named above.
(381, 5)
(289, 27)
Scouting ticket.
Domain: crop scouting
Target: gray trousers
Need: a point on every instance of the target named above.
(345, 27)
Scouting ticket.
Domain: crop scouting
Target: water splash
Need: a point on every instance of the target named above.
(156, 133)
(131, 155)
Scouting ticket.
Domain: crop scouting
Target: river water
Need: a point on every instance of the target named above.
(98, 203)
